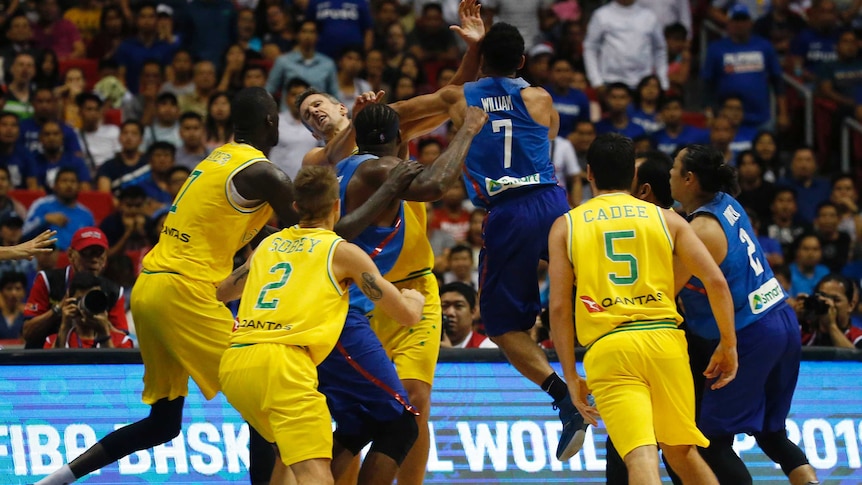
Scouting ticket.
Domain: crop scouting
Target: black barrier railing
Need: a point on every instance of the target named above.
(132, 356)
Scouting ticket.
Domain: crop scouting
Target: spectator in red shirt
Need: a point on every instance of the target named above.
(84, 322)
(56, 33)
(452, 217)
(87, 254)
(459, 310)
(833, 329)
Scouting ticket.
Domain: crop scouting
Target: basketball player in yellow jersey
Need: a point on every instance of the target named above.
(182, 328)
(269, 374)
(619, 252)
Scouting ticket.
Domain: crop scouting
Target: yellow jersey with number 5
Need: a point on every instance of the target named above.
(622, 255)
(208, 221)
(291, 296)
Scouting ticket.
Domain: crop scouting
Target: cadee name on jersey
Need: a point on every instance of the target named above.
(615, 212)
(497, 103)
(282, 245)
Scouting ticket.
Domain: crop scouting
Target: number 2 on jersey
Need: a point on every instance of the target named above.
(618, 257)
(756, 265)
(192, 177)
(506, 126)
(262, 304)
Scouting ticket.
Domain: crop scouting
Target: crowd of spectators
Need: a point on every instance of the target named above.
(108, 105)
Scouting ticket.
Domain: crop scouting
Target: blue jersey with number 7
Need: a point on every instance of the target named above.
(753, 286)
(512, 151)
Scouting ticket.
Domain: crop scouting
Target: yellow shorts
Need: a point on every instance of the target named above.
(414, 350)
(274, 388)
(632, 373)
(182, 331)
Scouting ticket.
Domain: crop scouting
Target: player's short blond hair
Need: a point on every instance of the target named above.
(316, 191)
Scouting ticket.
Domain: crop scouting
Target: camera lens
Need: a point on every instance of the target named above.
(95, 301)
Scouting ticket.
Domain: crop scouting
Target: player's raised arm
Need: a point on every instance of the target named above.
(472, 31)
(268, 183)
(350, 262)
(697, 258)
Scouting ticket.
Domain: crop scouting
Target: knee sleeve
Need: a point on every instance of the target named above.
(395, 438)
(162, 425)
(781, 450)
(726, 465)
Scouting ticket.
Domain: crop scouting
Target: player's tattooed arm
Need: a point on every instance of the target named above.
(231, 288)
(370, 287)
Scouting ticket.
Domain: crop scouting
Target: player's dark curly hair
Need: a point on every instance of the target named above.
(708, 164)
(502, 49)
(611, 158)
(316, 190)
(376, 125)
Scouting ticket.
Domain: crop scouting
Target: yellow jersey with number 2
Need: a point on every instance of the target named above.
(622, 256)
(292, 296)
(208, 222)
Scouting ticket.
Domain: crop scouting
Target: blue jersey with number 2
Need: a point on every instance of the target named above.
(512, 150)
(753, 287)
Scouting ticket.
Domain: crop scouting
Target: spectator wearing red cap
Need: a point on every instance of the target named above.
(87, 253)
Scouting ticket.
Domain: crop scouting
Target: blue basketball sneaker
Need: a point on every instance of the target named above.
(574, 428)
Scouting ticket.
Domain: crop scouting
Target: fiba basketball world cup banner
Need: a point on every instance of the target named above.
(488, 425)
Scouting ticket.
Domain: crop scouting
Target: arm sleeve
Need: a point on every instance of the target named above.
(592, 44)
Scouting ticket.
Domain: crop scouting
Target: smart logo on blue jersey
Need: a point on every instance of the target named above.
(765, 297)
(494, 187)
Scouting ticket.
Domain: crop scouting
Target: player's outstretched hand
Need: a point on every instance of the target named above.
(472, 29)
(474, 119)
(722, 366)
(403, 174)
(579, 392)
(39, 244)
(366, 98)
(415, 301)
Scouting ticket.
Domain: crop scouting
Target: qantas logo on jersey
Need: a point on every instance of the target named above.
(591, 304)
(494, 187)
(632, 300)
(765, 297)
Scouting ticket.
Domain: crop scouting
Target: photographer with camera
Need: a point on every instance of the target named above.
(44, 308)
(824, 316)
(458, 301)
(84, 320)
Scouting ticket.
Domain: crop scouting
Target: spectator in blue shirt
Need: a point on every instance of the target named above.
(144, 46)
(60, 211)
(732, 107)
(572, 104)
(675, 133)
(44, 110)
(45, 166)
(156, 181)
(815, 45)
(618, 98)
(806, 269)
(213, 23)
(746, 65)
(13, 156)
(303, 62)
(810, 190)
(647, 98)
(341, 23)
(840, 79)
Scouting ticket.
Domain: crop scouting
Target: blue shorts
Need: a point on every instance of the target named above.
(758, 400)
(515, 239)
(359, 381)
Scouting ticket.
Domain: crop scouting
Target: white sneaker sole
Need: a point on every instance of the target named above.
(574, 446)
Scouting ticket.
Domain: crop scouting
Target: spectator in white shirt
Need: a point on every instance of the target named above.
(166, 126)
(567, 169)
(669, 12)
(294, 139)
(625, 44)
(523, 14)
(99, 142)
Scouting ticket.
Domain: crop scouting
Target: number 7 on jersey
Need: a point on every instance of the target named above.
(506, 126)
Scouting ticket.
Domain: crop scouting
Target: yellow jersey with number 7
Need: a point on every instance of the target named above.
(291, 296)
(622, 255)
(208, 221)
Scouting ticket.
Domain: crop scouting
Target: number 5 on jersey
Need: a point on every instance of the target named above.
(619, 257)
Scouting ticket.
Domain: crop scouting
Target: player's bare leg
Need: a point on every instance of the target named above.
(642, 464)
(311, 472)
(688, 464)
(523, 353)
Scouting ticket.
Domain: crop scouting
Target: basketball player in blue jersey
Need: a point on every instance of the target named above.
(509, 172)
(767, 330)
(363, 390)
